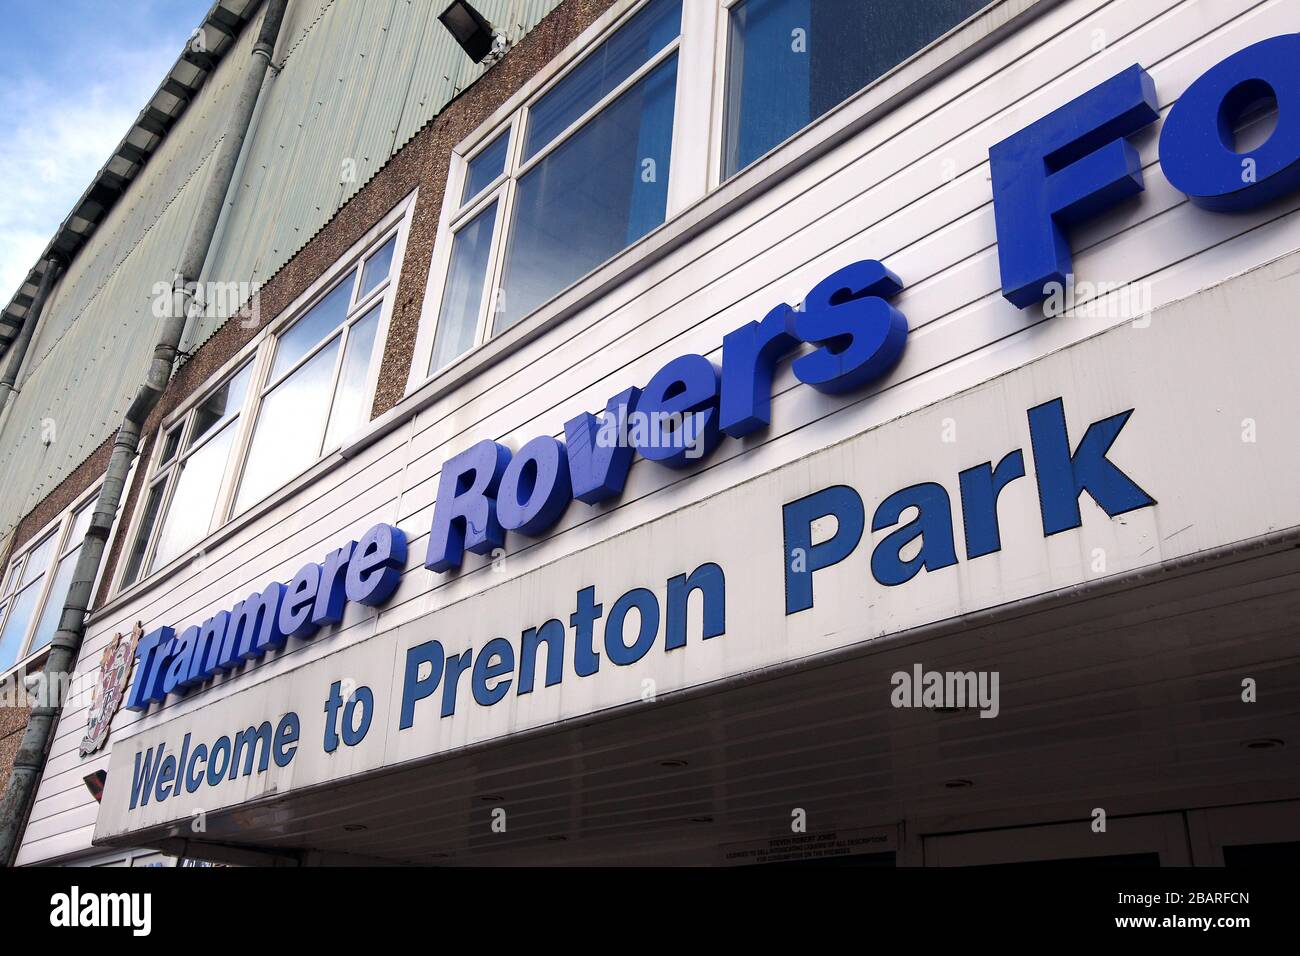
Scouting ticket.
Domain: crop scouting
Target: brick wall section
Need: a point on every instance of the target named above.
(13, 721)
(422, 162)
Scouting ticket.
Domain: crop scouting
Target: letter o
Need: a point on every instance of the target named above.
(354, 733)
(535, 488)
(1196, 149)
(216, 771)
(648, 607)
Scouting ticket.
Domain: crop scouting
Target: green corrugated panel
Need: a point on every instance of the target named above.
(95, 340)
(328, 102)
(356, 86)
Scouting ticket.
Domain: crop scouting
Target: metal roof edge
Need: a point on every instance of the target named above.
(219, 29)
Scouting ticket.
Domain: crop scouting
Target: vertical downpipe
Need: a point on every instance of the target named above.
(21, 789)
(18, 350)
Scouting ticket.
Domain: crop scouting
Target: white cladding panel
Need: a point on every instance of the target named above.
(888, 193)
(1183, 444)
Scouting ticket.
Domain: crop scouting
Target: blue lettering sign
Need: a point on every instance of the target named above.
(677, 420)
(365, 572)
(1197, 144)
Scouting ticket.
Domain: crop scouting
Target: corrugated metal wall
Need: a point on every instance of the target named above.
(358, 79)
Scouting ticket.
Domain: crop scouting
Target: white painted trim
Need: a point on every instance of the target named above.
(689, 171)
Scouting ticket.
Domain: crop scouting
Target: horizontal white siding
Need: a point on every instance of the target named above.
(885, 194)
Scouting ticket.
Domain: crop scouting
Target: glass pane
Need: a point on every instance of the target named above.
(791, 61)
(189, 516)
(12, 581)
(221, 405)
(147, 522)
(377, 267)
(599, 192)
(170, 444)
(289, 429)
(326, 316)
(612, 62)
(20, 615)
(49, 620)
(485, 167)
(79, 524)
(463, 294)
(39, 561)
(349, 411)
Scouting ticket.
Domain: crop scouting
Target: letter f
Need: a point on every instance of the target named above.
(1070, 166)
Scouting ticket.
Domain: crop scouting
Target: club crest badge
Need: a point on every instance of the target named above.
(110, 688)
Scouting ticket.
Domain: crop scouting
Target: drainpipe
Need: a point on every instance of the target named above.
(18, 351)
(21, 789)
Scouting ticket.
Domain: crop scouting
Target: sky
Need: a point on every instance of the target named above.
(73, 76)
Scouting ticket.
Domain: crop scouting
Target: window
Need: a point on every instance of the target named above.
(297, 393)
(36, 585)
(658, 103)
(187, 479)
(578, 175)
(315, 394)
(791, 61)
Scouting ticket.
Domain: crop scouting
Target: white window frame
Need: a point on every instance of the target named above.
(686, 175)
(260, 354)
(183, 422)
(695, 182)
(59, 527)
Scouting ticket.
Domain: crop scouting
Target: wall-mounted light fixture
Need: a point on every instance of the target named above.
(473, 32)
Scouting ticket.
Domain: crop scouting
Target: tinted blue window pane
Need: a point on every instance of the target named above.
(606, 187)
(458, 315)
(791, 61)
(612, 62)
(485, 167)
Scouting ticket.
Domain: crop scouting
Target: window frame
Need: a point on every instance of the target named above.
(60, 528)
(258, 355)
(183, 422)
(698, 194)
(686, 181)
(358, 308)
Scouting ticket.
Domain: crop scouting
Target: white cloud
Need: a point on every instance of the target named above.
(55, 137)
